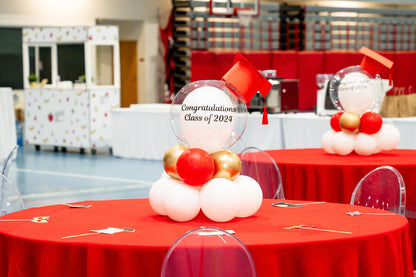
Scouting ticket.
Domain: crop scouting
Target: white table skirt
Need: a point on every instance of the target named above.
(144, 131)
(142, 134)
(7, 123)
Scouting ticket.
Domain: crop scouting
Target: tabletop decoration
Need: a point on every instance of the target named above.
(294, 205)
(360, 213)
(286, 205)
(303, 226)
(201, 173)
(356, 91)
(219, 234)
(108, 230)
(36, 219)
(82, 206)
(209, 233)
(70, 205)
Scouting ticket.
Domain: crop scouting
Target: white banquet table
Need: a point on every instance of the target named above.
(7, 123)
(144, 131)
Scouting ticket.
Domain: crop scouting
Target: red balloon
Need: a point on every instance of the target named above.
(371, 123)
(335, 121)
(195, 167)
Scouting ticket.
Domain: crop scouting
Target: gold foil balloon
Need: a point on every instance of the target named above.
(349, 122)
(171, 157)
(227, 164)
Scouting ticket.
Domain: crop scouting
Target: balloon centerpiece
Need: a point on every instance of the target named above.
(354, 91)
(201, 174)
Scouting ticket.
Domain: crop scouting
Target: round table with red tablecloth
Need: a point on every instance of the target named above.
(330, 243)
(312, 174)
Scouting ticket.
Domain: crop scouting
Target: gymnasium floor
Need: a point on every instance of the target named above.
(47, 177)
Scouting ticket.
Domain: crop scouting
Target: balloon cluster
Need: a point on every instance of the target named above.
(197, 180)
(356, 128)
(209, 116)
(366, 135)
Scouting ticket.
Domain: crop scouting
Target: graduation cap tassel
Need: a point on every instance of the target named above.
(265, 120)
(390, 81)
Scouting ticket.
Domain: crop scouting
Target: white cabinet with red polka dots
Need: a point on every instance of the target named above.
(70, 117)
(64, 112)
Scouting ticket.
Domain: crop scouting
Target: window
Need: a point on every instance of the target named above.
(11, 60)
(102, 65)
(71, 66)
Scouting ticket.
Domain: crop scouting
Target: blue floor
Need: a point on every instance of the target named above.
(47, 177)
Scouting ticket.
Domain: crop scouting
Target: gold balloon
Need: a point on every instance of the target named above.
(227, 164)
(171, 157)
(349, 122)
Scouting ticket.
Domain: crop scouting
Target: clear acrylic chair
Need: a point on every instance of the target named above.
(382, 188)
(207, 252)
(9, 203)
(261, 167)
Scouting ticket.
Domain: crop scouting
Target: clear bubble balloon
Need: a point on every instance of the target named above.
(209, 115)
(355, 90)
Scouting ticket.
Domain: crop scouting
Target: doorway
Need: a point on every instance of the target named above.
(128, 73)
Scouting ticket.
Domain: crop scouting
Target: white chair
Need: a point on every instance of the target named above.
(382, 188)
(6, 203)
(207, 252)
(261, 167)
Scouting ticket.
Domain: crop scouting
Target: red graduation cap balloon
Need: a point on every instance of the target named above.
(247, 80)
(373, 62)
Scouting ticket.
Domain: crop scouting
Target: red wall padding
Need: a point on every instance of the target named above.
(304, 65)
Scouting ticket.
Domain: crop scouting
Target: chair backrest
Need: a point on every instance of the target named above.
(382, 188)
(261, 167)
(206, 252)
(7, 162)
(7, 203)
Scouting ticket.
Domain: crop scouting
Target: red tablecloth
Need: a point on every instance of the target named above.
(373, 248)
(312, 174)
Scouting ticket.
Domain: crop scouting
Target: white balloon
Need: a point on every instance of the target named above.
(365, 144)
(388, 137)
(182, 202)
(202, 127)
(356, 93)
(220, 200)
(377, 150)
(157, 193)
(327, 141)
(164, 175)
(343, 143)
(251, 195)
